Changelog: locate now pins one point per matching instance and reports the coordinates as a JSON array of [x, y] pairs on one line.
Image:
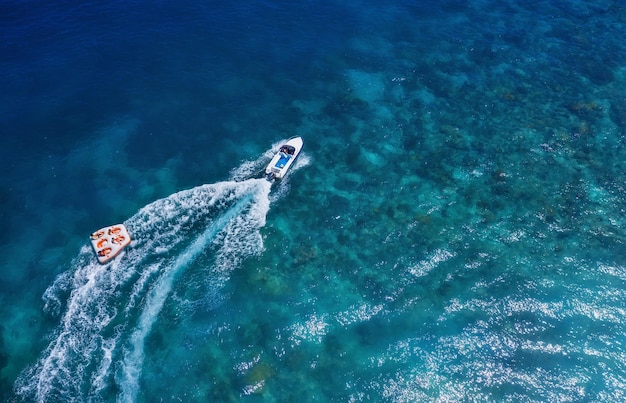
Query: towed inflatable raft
[[109, 241]]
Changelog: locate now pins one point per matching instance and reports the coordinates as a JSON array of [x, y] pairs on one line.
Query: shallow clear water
[[453, 231]]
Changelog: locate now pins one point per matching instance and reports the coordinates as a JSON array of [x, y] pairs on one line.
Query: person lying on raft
[[97, 234], [105, 252], [119, 239]]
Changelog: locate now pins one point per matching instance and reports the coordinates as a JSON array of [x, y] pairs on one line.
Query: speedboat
[[284, 158]]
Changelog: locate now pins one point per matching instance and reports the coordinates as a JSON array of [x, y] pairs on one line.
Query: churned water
[[452, 231]]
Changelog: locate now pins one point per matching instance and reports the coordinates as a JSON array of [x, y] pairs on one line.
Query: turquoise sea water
[[453, 230]]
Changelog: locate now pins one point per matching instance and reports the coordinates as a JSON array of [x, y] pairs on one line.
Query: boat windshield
[[287, 149]]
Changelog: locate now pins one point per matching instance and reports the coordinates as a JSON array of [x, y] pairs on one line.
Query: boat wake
[[107, 311]]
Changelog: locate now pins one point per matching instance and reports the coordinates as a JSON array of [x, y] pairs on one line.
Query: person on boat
[[101, 243]]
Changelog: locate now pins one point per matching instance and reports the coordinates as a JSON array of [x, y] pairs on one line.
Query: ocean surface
[[453, 231]]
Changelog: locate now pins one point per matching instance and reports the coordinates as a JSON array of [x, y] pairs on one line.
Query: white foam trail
[[100, 377], [255, 168], [103, 303], [128, 377]]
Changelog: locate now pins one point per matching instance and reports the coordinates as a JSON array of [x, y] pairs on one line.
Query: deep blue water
[[453, 231]]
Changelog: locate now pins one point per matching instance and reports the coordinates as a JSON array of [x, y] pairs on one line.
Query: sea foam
[[111, 308]]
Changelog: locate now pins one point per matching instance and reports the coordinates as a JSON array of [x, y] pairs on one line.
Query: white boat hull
[[284, 158]]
